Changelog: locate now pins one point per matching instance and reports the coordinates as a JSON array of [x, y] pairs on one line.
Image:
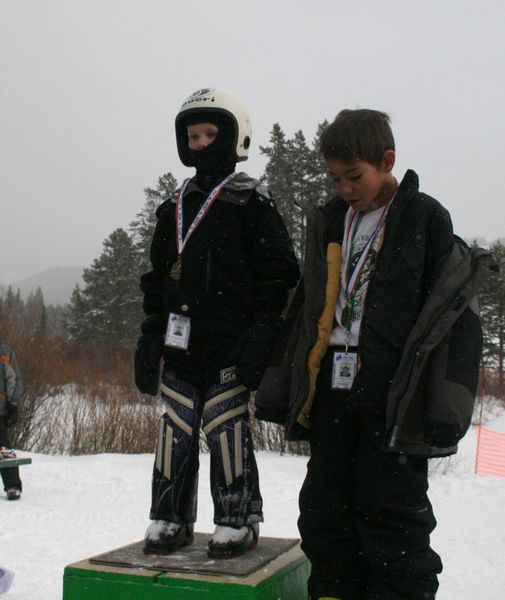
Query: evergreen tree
[[321, 184], [35, 312], [296, 174], [13, 304], [284, 183], [142, 228], [76, 321], [109, 305], [492, 301]]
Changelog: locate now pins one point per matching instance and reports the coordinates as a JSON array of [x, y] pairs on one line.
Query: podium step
[[275, 570]]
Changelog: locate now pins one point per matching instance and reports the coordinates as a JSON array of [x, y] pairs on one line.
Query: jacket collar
[[242, 182]]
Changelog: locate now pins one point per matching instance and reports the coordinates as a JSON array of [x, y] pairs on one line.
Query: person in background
[[222, 265], [11, 387]]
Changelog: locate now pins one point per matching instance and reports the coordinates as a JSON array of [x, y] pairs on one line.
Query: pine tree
[[35, 312], [142, 228], [76, 313], [109, 305], [281, 178], [13, 304], [321, 184], [296, 174], [492, 301]]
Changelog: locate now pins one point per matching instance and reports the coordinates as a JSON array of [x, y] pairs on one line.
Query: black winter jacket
[[236, 267], [417, 241]]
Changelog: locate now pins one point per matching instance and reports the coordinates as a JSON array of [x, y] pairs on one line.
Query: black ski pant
[[365, 518], [10, 476], [221, 410]]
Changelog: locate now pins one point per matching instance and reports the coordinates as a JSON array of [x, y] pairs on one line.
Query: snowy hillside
[[76, 507]]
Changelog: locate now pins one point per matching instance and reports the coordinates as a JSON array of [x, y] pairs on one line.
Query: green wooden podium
[[275, 570]]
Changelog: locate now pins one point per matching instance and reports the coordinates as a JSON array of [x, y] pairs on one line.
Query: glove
[[147, 362], [258, 348], [11, 416], [441, 435]]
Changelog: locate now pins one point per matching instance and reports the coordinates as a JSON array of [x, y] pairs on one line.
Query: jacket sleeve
[[452, 382], [274, 267], [163, 248], [273, 270]]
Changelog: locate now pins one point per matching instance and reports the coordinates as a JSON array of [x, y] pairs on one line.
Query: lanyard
[[353, 273], [204, 209]]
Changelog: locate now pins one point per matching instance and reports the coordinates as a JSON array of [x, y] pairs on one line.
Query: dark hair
[[361, 134]]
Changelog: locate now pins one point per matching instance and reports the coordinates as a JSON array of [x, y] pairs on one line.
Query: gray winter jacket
[[438, 339], [11, 385]]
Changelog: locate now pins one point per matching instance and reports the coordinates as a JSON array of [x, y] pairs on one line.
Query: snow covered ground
[[76, 507]]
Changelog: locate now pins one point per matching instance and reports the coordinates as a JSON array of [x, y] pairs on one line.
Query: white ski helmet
[[209, 102]]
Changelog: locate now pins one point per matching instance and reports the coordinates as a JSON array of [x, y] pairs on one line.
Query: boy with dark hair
[[379, 369], [222, 267]]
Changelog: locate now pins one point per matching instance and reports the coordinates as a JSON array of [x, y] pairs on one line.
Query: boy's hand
[[147, 362], [11, 416]]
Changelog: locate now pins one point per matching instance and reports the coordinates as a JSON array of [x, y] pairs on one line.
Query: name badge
[[178, 330], [344, 370]]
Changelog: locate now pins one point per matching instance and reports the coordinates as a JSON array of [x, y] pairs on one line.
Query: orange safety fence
[[490, 457]]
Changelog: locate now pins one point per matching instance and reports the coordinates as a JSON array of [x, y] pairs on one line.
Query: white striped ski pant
[[222, 412]]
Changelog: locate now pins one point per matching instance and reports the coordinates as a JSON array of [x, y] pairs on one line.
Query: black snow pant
[[10, 476], [365, 518], [221, 409]]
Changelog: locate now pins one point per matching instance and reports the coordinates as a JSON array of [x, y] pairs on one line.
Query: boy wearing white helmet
[[222, 267]]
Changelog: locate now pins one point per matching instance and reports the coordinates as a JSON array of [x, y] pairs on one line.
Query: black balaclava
[[217, 160]]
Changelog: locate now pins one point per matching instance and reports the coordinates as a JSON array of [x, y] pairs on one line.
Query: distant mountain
[[56, 284]]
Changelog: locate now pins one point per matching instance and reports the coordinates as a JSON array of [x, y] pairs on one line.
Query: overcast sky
[[89, 90]]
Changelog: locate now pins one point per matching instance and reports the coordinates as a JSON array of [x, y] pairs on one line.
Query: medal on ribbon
[[175, 270], [346, 316]]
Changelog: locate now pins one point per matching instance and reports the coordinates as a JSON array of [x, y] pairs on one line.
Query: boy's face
[[201, 135], [361, 184]]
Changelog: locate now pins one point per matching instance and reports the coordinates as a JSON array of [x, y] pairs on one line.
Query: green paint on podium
[[275, 570]]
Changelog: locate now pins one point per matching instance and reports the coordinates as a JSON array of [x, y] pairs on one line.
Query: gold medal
[[175, 271]]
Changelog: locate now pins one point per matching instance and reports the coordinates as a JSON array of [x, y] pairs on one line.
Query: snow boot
[[165, 537], [228, 542], [13, 494]]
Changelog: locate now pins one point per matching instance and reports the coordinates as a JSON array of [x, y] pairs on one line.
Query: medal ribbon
[[353, 274], [204, 209]]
